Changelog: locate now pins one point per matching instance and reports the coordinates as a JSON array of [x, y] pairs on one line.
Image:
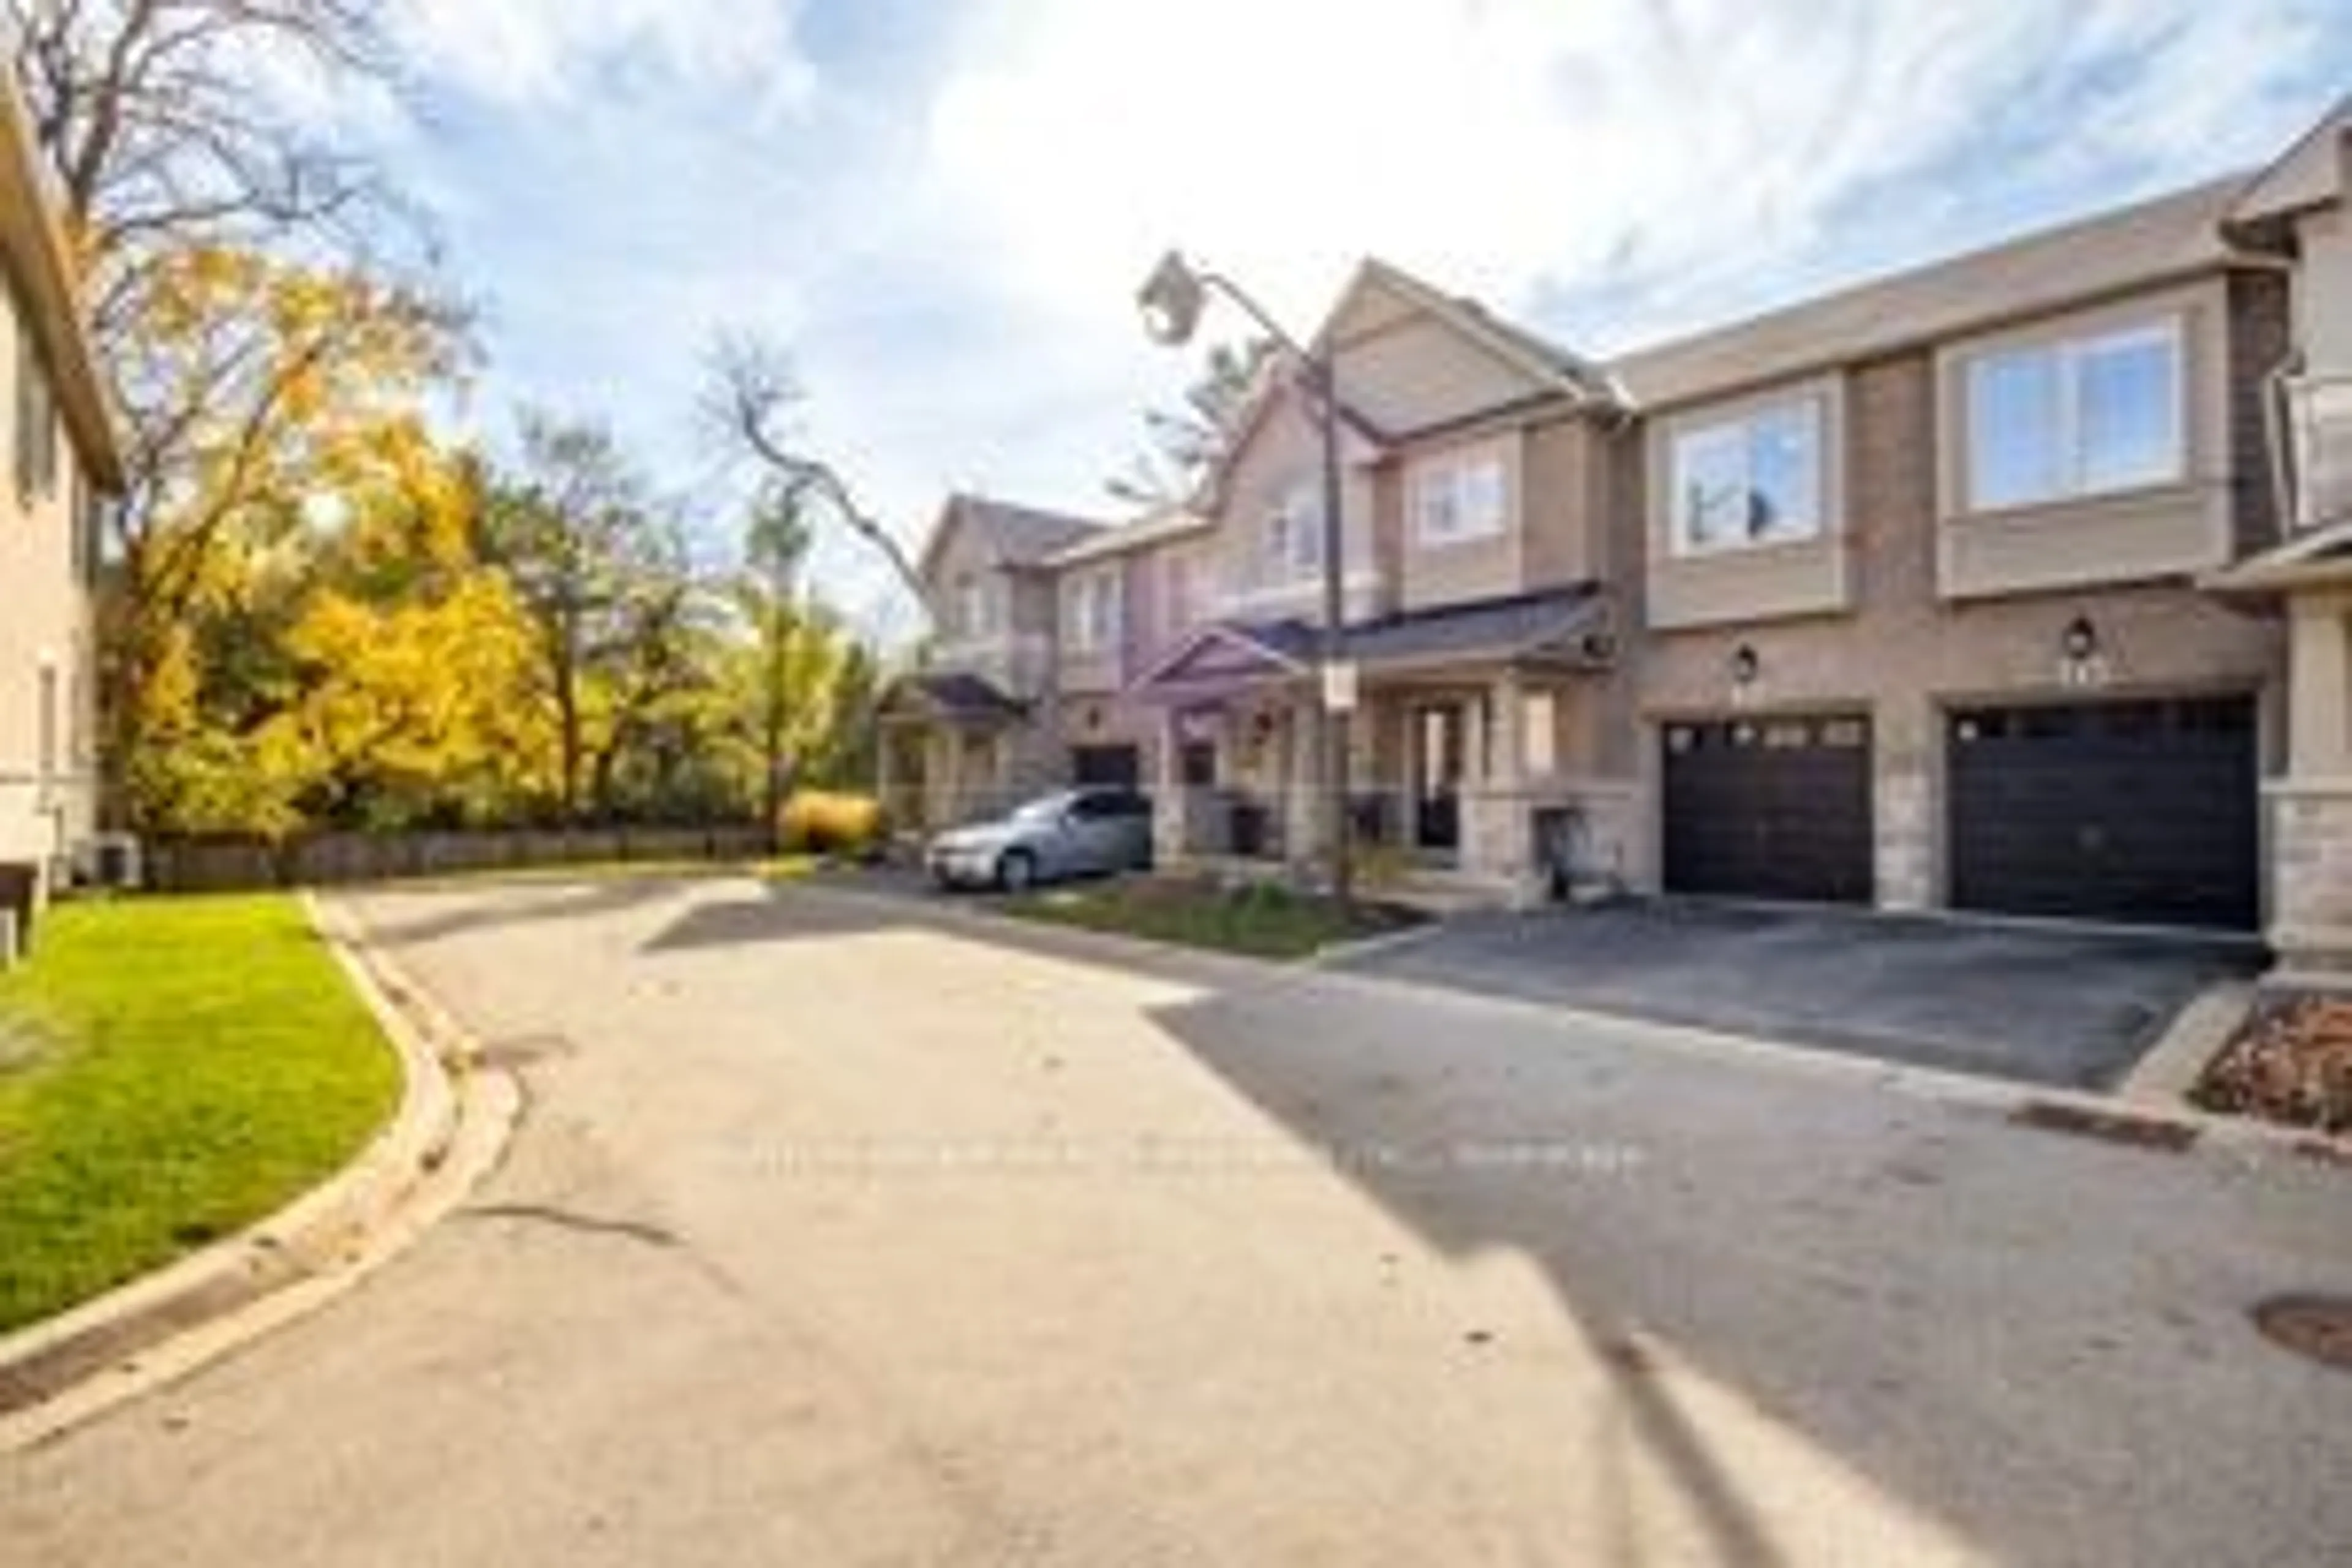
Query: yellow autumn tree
[[262, 398]]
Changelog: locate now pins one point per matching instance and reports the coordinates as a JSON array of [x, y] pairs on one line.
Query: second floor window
[[36, 418], [1293, 534], [973, 610], [2079, 417], [1755, 478], [1092, 605], [1457, 502]]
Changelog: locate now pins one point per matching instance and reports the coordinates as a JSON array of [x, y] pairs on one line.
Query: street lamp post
[[1174, 300]]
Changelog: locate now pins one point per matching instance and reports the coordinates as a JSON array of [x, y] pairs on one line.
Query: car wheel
[[1016, 871]]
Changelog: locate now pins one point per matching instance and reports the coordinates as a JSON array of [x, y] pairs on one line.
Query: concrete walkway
[[843, 1230]]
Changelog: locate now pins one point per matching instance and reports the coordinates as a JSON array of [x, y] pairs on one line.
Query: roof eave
[[37, 243]]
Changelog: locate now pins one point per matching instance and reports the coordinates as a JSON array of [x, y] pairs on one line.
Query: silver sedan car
[[1071, 833]]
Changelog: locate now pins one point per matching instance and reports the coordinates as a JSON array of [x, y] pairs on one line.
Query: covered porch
[[948, 750], [1476, 763]]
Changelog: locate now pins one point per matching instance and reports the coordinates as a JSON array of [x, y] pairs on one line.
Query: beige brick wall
[[1903, 654]]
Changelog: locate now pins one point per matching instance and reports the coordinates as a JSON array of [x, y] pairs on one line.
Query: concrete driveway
[[2039, 1004], [854, 1231]]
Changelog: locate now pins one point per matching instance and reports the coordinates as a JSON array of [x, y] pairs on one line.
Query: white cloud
[[1505, 145], [953, 226], [544, 51]]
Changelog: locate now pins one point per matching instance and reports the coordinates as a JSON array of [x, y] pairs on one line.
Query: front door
[[1439, 752]]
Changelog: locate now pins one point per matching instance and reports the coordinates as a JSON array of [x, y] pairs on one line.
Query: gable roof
[[1551, 368], [1224, 655], [2170, 238], [1011, 535], [1561, 370], [2311, 173], [40, 265], [1277, 387]]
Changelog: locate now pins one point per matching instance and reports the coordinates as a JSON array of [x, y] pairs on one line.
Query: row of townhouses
[[2018, 584], [58, 463]]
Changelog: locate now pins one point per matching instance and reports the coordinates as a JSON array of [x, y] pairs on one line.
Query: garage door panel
[[1774, 809], [2135, 811], [1107, 767]]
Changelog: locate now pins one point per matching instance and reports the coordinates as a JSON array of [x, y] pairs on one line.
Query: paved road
[[848, 1232], [2037, 1004]]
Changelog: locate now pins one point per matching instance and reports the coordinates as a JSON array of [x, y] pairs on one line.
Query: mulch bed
[[2291, 1062]]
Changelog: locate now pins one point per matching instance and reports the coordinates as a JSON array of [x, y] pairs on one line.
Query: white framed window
[[1293, 534], [1091, 604], [974, 608], [2079, 416], [36, 416], [1459, 501], [1751, 479], [1539, 733]]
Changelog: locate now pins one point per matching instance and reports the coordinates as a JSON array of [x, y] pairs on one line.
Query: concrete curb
[[449, 1129], [2170, 1068], [1994, 1096]]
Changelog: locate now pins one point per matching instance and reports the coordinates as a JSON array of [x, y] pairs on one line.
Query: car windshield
[[1046, 810]]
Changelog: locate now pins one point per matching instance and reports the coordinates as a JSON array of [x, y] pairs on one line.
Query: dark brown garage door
[[1770, 808], [2142, 812], [1111, 767]]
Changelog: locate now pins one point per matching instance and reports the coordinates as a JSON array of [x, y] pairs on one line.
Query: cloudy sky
[[944, 210]]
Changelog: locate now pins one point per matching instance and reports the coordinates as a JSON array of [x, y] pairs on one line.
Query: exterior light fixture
[[1173, 300], [1747, 667], [2081, 640]]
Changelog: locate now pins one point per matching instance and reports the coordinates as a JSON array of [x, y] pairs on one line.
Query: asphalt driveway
[[864, 1231], [2038, 1004]]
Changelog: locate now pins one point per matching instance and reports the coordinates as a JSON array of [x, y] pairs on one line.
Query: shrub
[[823, 822]]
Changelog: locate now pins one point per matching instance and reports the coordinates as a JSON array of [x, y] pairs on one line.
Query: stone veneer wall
[[2311, 859]]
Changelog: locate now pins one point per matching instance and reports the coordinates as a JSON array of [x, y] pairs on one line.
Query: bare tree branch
[[751, 394]]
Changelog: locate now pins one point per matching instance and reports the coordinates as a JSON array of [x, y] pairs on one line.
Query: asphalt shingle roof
[[1024, 535], [1489, 626], [958, 694]]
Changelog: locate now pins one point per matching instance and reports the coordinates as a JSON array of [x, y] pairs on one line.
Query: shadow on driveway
[[1984, 1322], [2069, 1008]]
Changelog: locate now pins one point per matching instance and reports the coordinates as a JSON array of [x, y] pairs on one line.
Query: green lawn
[[1264, 922], [171, 1070]]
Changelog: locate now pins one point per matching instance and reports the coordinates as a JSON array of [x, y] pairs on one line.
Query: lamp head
[[1171, 300]]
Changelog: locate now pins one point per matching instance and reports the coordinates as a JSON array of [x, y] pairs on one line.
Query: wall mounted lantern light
[[2081, 640]]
